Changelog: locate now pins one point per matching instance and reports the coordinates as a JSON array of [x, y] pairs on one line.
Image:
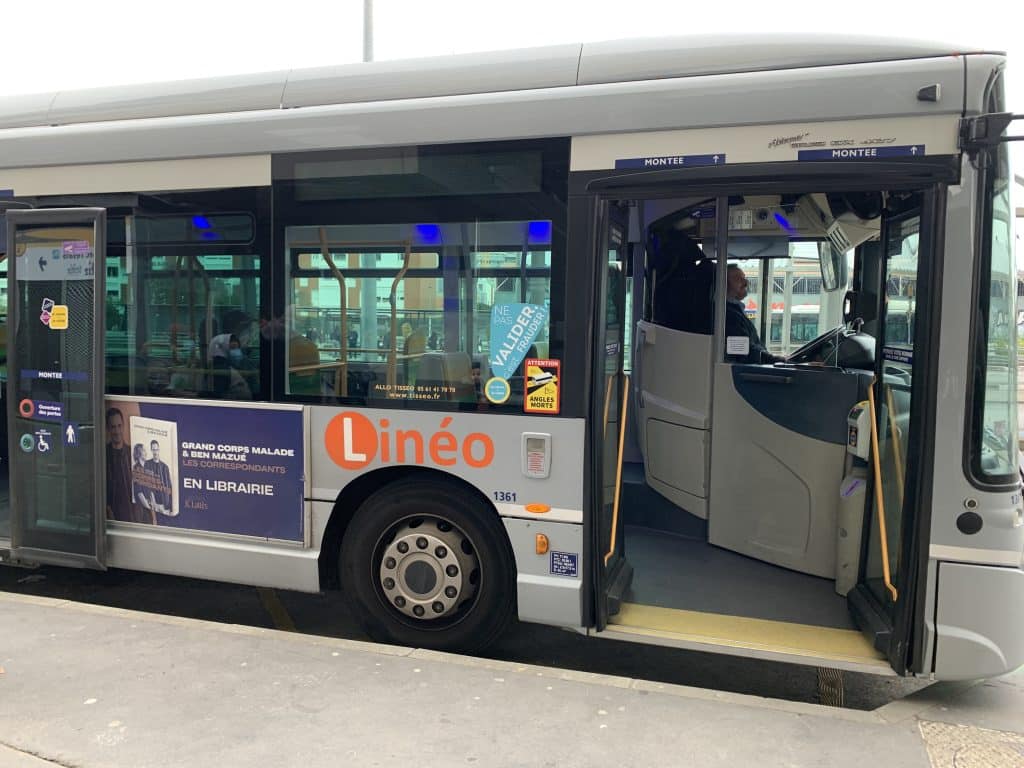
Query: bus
[[453, 336]]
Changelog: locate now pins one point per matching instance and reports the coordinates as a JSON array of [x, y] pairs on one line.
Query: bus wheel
[[428, 565]]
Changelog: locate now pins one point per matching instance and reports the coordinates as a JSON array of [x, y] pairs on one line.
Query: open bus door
[[903, 254], [611, 395], [55, 486], [886, 600]]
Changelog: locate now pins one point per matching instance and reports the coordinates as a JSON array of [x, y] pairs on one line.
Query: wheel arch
[[354, 494]]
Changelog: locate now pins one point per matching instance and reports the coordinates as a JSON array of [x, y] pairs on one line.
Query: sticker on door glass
[[59, 317]]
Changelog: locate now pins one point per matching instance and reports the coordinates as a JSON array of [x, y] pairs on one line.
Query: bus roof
[[524, 69]]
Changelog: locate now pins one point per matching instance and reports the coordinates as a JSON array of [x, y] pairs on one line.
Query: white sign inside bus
[[68, 260]]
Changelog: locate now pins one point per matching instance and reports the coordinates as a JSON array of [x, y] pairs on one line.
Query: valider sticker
[[564, 563]]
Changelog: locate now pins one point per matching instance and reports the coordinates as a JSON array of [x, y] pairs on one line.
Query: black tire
[[447, 516]]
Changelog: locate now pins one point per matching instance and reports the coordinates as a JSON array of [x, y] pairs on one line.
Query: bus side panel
[[197, 555], [490, 453], [487, 451], [549, 584], [975, 641]]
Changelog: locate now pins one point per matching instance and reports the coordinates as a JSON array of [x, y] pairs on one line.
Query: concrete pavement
[[88, 686]]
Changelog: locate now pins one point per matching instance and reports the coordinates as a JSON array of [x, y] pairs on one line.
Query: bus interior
[[746, 521]]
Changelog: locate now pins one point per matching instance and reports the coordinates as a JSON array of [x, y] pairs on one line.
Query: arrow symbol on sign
[[716, 159], [913, 150]]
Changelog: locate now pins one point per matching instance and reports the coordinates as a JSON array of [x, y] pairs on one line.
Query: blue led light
[[428, 234], [539, 232], [784, 223], [201, 222]]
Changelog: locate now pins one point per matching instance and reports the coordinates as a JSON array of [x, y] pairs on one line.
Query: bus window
[[410, 268], [994, 438], [403, 314], [183, 305]]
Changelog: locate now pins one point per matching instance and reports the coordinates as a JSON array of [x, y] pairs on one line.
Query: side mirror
[[833, 267]]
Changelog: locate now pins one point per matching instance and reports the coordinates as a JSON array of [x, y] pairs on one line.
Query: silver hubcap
[[428, 569]]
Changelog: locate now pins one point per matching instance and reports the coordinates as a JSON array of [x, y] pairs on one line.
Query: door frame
[[58, 217], [900, 633], [929, 175]]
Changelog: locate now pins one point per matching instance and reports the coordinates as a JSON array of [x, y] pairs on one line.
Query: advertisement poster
[[543, 382], [206, 468]]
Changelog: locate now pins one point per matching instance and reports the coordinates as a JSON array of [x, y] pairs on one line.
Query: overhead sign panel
[[671, 161], [861, 153]]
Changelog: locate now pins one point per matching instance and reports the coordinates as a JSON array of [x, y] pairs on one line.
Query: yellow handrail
[[879, 504], [618, 471]]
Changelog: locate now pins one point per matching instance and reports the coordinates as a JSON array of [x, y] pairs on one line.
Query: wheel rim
[[428, 571]]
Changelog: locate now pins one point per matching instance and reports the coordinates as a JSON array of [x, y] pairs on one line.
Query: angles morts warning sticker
[[543, 386]]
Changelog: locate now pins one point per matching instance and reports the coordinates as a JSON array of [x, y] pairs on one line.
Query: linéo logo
[[353, 441]]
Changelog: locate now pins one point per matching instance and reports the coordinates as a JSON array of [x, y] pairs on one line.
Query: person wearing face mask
[[226, 358], [238, 388]]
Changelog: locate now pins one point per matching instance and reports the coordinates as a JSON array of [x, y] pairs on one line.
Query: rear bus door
[[55, 385]]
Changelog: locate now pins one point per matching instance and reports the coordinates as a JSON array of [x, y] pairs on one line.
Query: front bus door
[[886, 600], [610, 389], [54, 394]]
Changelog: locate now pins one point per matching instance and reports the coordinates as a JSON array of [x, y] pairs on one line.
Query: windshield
[[994, 432]]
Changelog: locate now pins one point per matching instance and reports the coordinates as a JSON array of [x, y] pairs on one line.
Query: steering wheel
[[825, 347]]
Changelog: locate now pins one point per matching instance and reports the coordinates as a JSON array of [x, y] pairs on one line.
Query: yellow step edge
[[752, 634]]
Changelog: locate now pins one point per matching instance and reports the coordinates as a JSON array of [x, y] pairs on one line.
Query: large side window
[[994, 417], [422, 277], [183, 303], [414, 313]]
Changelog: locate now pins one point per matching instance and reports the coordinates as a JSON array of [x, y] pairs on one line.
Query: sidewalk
[[86, 686]]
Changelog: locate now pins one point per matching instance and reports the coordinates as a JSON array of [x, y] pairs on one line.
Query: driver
[[738, 324]]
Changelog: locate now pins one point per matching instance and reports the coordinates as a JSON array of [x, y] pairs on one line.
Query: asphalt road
[[328, 614]]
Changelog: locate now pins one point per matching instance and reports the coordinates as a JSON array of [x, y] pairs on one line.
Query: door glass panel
[[5, 512], [611, 350], [892, 401], [55, 504]]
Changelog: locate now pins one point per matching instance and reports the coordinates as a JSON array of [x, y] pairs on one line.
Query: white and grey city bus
[[274, 330]]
